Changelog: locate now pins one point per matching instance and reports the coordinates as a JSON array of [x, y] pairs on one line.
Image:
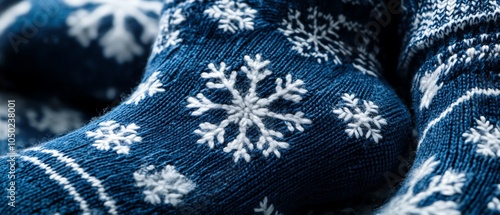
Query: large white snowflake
[[149, 88], [266, 209], [55, 121], [364, 119], [169, 31], [486, 136], [248, 109], [118, 42], [112, 133], [232, 15], [167, 186], [448, 184]]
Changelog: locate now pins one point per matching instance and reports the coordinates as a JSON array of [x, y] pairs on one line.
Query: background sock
[[35, 120], [451, 50], [76, 49]]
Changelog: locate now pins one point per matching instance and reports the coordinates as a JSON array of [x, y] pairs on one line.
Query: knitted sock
[[61, 47], [452, 47], [245, 107]]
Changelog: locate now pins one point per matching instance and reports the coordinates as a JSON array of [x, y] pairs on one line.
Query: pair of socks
[[245, 107], [267, 107]]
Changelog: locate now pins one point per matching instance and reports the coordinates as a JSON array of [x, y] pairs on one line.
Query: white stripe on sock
[[469, 95], [62, 181], [108, 201], [433, 35]]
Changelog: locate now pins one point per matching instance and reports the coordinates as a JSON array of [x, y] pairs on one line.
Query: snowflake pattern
[[486, 136], [248, 110], [167, 185], [266, 209], [169, 30], [361, 121], [56, 121], [150, 87], [318, 37], [448, 184], [232, 16], [111, 132], [118, 42], [315, 39]]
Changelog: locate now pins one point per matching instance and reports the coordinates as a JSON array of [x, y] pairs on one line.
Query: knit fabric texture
[[245, 107], [451, 52]]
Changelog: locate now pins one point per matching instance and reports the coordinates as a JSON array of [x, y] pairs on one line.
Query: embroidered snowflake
[[167, 186], [362, 118], [169, 31], [248, 109], [265, 209], [232, 16], [318, 37], [118, 42], [150, 87], [55, 121], [110, 132], [486, 136], [412, 202], [494, 204]]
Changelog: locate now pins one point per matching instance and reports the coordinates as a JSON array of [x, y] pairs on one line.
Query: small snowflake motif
[[110, 132], [169, 31], [232, 16], [417, 202], [362, 118], [166, 186], [486, 136], [118, 41], [248, 109], [149, 88], [316, 34], [265, 209], [318, 37]]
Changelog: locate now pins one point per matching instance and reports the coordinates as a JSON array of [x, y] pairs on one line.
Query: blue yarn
[[450, 51], [231, 118]]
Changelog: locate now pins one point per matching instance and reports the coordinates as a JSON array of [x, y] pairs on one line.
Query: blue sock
[[451, 50], [240, 111], [65, 46]]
